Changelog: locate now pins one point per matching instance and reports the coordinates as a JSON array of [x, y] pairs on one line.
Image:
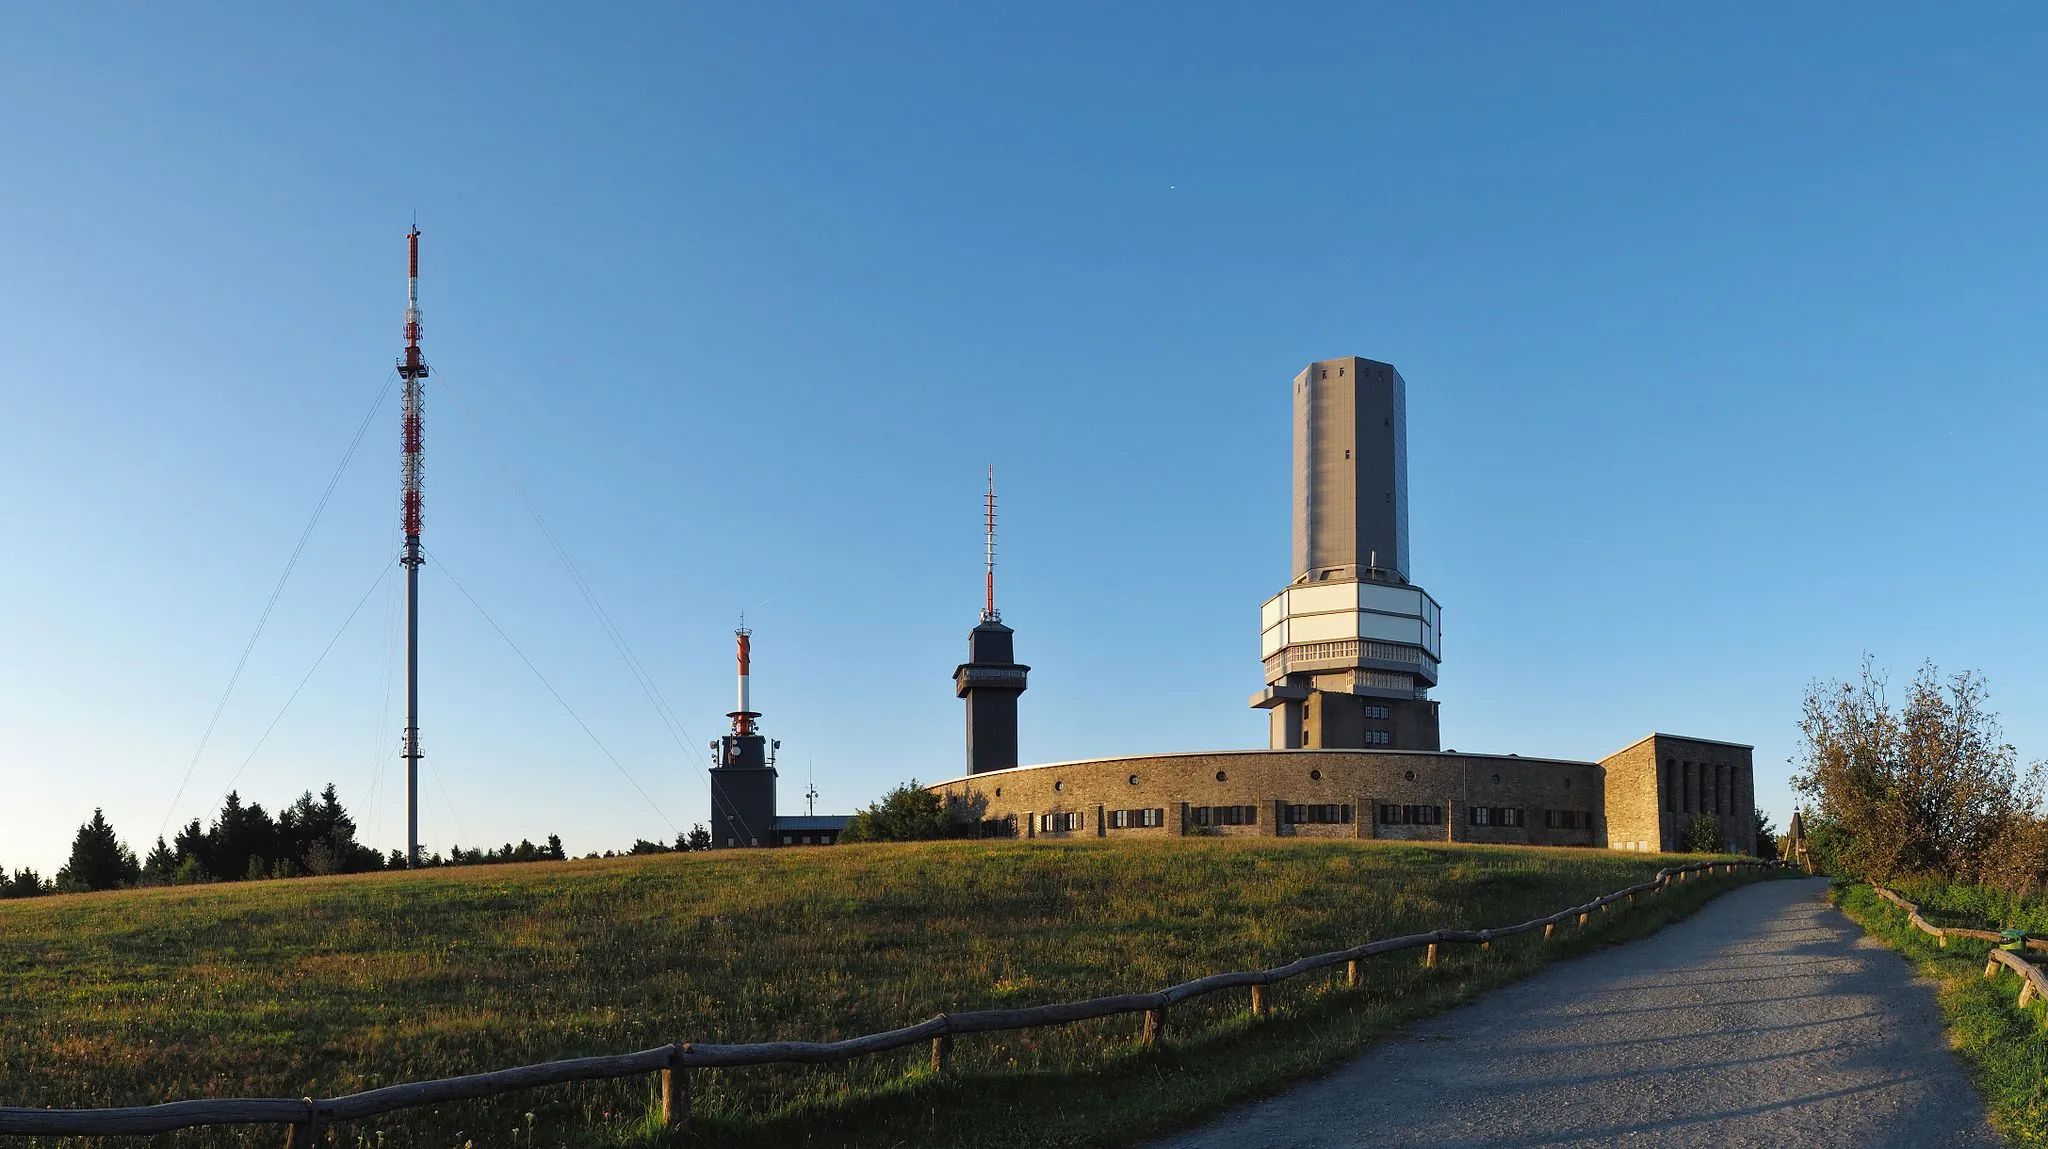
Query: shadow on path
[[1766, 1019]]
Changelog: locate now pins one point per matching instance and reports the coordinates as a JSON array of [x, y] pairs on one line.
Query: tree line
[[1928, 787], [312, 836]]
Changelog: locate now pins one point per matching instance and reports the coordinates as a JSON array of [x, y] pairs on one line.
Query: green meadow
[[2004, 1046], [325, 986]]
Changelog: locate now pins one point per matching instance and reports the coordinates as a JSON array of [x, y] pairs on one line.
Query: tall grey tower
[[1351, 646], [991, 678]]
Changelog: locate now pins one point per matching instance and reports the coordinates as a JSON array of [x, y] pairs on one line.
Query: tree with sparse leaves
[[1930, 787]]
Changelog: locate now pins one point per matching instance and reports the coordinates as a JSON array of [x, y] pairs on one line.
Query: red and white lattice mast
[[412, 369]]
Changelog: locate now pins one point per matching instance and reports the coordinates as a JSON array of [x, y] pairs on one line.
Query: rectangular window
[[1155, 816], [1422, 815], [1479, 815], [1074, 821], [1201, 815], [1390, 815], [1666, 778]]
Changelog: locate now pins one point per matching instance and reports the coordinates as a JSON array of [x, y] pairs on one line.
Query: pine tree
[[161, 867], [99, 861]]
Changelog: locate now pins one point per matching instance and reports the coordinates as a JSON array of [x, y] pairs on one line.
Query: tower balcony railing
[[1347, 652]]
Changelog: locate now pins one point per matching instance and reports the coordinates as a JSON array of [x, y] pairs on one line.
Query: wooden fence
[[308, 1118], [2034, 983]]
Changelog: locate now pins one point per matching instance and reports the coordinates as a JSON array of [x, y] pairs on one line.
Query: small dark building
[[810, 829], [743, 782]]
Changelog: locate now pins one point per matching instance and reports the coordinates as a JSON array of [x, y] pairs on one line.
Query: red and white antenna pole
[[743, 718], [988, 609], [412, 369]]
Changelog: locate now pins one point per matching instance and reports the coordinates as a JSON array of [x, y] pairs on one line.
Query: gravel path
[[1766, 1019]]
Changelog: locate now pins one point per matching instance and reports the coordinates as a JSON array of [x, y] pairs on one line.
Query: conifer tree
[[99, 860]]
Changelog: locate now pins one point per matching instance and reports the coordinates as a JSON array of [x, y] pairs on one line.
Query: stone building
[[1351, 649], [1407, 795]]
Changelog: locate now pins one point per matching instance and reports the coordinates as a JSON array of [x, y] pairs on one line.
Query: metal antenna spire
[[989, 613], [412, 369]]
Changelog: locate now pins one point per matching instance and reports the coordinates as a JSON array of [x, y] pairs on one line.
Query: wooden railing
[[2035, 982], [309, 1118]]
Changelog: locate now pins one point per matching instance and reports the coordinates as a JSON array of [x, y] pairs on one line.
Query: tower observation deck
[[1351, 647]]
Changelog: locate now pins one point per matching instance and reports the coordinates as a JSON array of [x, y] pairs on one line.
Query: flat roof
[[812, 821], [1267, 750], [1683, 738]]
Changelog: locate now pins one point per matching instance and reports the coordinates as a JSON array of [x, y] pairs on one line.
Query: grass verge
[[2004, 1046], [327, 986]]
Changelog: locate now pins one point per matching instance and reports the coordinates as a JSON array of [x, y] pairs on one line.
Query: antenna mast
[[988, 609], [412, 369]]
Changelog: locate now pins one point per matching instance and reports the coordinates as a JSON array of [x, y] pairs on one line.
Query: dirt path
[[1764, 1020]]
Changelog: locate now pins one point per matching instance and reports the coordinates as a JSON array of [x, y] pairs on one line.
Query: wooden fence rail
[[2035, 984], [308, 1118]]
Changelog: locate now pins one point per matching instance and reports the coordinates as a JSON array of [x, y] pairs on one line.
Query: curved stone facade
[[1653, 789], [1407, 795]]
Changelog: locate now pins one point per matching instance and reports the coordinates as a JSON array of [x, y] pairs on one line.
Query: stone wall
[[1657, 786], [1559, 802]]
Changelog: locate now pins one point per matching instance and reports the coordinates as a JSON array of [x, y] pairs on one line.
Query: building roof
[[812, 821], [1388, 751], [1683, 738]]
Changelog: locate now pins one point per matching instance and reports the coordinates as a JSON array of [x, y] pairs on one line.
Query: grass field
[[331, 985], [2004, 1046]]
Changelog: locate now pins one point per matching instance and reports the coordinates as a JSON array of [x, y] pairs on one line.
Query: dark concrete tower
[[991, 679], [1352, 646], [743, 773]]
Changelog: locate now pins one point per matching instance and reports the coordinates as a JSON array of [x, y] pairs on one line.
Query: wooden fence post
[[1155, 1027], [1260, 1005], [675, 1092], [308, 1133], [1429, 959], [1583, 919], [942, 1054], [1352, 974], [1991, 968], [1549, 928]]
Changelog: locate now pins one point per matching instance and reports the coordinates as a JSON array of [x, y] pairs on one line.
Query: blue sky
[[1720, 327]]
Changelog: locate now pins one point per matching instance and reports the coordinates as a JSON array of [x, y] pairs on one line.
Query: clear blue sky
[[1721, 325]]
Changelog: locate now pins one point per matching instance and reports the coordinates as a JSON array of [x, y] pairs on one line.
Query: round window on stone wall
[[1567, 783], [1133, 779], [1315, 775], [1059, 785], [1221, 777], [999, 791], [1410, 775], [1496, 779]]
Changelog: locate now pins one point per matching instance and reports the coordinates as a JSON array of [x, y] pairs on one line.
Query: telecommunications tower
[[743, 768], [412, 369], [991, 678]]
